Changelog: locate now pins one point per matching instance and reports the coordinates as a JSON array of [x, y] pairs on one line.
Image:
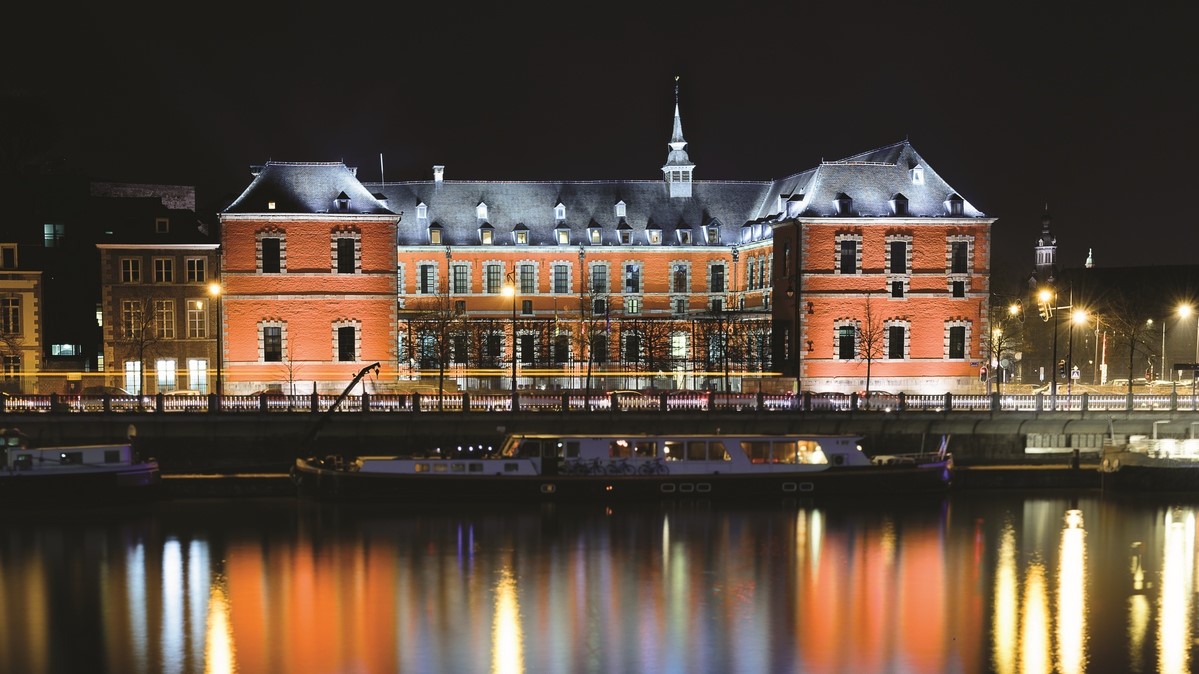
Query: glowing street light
[[510, 289]]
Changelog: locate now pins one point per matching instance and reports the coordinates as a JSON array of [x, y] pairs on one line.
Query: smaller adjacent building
[[158, 267], [20, 322]]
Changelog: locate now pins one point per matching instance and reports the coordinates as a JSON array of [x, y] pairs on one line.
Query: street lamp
[[510, 289], [215, 290], [1078, 317], [1048, 300]]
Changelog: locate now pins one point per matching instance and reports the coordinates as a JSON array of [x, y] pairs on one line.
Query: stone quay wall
[[202, 442]]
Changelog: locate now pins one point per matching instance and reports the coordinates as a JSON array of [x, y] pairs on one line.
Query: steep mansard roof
[[870, 179], [306, 187]]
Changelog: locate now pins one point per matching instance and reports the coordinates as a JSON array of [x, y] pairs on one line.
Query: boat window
[[24, 462], [646, 448], [440, 468], [476, 468], [572, 449], [511, 467], [672, 450], [70, 457], [458, 468], [697, 450], [717, 451], [112, 456], [758, 451], [420, 468], [530, 448], [555, 448], [618, 449], [786, 451]]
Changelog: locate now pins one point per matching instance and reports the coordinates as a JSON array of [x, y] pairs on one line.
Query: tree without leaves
[[871, 338], [435, 323]]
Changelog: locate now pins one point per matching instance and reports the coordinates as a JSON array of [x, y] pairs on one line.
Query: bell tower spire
[[678, 168]]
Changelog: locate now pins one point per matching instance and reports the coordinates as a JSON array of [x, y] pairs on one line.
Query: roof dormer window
[[435, 234], [162, 225], [899, 204], [593, 235], [486, 234], [793, 205], [562, 236], [422, 211], [270, 205], [624, 233], [653, 234], [560, 212], [843, 204], [481, 210], [620, 209], [684, 236], [342, 202], [713, 234], [520, 235], [954, 205], [917, 173]]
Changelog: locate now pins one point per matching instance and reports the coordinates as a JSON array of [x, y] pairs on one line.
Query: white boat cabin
[[19, 457]]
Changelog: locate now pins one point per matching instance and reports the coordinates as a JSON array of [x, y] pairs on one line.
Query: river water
[[1006, 582]]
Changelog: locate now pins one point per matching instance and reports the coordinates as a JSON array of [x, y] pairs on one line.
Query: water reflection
[[974, 583]]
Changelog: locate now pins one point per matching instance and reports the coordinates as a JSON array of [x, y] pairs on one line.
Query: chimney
[[438, 174]]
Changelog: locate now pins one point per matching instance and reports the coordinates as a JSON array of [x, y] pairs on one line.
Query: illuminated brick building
[[671, 283]]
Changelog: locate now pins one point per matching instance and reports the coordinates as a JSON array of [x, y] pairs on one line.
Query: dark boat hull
[[327, 484], [1153, 479], [131, 485]]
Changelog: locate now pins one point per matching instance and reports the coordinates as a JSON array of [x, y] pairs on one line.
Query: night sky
[[1093, 114]]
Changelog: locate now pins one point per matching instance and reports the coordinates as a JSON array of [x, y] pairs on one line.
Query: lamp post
[[1049, 299], [1078, 317], [215, 290], [510, 288]]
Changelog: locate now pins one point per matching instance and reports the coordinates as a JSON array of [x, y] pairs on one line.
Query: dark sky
[[1091, 113]]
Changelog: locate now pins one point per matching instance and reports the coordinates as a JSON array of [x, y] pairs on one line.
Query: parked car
[[104, 390], [182, 392]]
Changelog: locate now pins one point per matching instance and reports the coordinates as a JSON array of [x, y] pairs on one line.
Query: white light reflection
[[507, 647], [198, 588], [218, 639], [1138, 610], [1174, 638], [172, 607], [135, 593], [1007, 602], [1034, 627], [1071, 596]]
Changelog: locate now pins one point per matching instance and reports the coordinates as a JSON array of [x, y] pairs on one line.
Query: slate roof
[[306, 187], [871, 179]]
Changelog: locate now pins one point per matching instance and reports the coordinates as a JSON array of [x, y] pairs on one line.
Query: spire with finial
[[678, 167]]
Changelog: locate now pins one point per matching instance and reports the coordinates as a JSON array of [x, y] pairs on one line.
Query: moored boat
[[1157, 465], [615, 467], [74, 474]]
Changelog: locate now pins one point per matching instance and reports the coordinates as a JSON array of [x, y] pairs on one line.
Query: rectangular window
[[561, 348], [162, 225], [8, 256], [495, 274], [425, 279], [345, 343], [54, 234], [751, 274], [895, 342], [164, 270], [717, 306], [632, 348], [716, 283], [528, 279], [460, 280], [131, 270], [435, 236], [459, 306], [10, 315], [561, 279], [272, 255], [526, 307], [526, 348], [133, 377], [632, 278], [563, 237], [957, 342], [959, 288], [164, 374], [899, 257], [197, 319], [849, 257], [632, 305], [272, 344], [196, 269], [164, 319], [896, 288], [958, 257], [678, 279], [131, 319], [599, 279], [197, 374], [846, 348], [345, 255], [599, 308], [680, 305]]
